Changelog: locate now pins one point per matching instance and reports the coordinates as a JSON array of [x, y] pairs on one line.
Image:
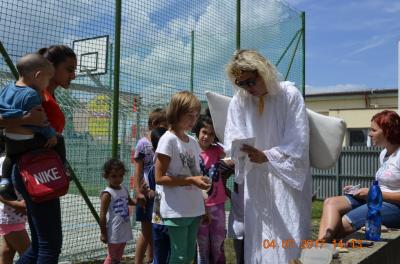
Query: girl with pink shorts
[[12, 228]]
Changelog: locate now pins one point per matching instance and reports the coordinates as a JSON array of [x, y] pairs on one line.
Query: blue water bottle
[[374, 218]]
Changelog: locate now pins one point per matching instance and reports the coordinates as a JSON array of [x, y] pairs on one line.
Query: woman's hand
[[36, 117], [361, 193], [347, 188], [255, 155], [201, 182], [51, 142]]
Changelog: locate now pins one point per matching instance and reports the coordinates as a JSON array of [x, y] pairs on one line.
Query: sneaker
[[7, 190]]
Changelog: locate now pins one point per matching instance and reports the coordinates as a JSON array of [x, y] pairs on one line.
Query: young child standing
[[12, 225], [35, 73], [115, 224], [144, 155], [177, 173], [211, 235], [161, 241]]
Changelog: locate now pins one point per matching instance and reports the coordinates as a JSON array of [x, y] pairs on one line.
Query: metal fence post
[[303, 23], [192, 62], [8, 60], [117, 57], [338, 175], [238, 24]]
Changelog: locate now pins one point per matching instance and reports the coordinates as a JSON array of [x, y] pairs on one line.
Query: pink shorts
[[6, 229]]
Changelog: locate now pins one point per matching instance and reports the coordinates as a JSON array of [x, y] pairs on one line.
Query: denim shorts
[[145, 214], [390, 213]]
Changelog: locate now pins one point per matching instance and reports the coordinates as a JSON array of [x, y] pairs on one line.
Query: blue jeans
[[45, 224], [161, 244], [390, 213]]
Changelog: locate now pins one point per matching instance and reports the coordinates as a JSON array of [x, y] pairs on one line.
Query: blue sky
[[351, 43]]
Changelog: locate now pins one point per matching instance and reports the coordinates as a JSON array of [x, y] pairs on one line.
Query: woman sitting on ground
[[342, 215]]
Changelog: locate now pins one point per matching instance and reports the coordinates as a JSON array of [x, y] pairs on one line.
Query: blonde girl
[[177, 173]]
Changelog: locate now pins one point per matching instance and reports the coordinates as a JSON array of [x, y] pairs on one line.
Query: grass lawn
[[315, 216], [317, 209]]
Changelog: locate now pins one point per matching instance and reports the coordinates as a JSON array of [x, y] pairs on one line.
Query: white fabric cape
[[277, 194]]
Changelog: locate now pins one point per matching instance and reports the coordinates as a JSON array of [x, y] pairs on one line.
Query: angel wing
[[326, 133]]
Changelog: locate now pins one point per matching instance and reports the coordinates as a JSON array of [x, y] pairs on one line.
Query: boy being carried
[[16, 100]]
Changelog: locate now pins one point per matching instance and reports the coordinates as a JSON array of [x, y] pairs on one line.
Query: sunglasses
[[246, 84]]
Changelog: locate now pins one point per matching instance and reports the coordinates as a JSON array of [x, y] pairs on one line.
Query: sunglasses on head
[[245, 84]]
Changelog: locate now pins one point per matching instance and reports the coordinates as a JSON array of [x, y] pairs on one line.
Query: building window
[[358, 137]]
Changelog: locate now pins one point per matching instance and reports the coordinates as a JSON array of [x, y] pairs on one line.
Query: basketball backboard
[[92, 55]]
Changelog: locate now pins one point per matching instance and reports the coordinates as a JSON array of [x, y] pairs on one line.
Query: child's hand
[[51, 142], [206, 219], [201, 182], [20, 207], [103, 238], [132, 201], [140, 200], [226, 168], [151, 194], [144, 188], [228, 192]]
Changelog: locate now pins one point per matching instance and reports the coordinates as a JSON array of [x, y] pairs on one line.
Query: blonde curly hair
[[252, 61]]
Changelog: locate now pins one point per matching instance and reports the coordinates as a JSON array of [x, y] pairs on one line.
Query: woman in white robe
[[276, 172]]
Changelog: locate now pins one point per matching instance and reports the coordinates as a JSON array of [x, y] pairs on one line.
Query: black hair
[[57, 54], [112, 164], [157, 117], [207, 112], [202, 121], [156, 134]]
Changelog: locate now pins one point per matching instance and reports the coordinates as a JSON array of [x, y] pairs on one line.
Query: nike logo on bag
[[47, 176]]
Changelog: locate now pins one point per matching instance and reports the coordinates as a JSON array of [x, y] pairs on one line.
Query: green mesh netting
[[158, 39]]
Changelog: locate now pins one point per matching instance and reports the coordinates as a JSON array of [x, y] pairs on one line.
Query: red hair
[[389, 122]]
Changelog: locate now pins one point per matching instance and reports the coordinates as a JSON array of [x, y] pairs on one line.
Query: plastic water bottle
[[374, 218]]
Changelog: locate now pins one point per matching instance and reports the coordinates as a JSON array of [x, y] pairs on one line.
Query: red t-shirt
[[53, 111]]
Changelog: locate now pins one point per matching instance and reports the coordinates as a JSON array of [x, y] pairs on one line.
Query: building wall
[[357, 118], [355, 109], [324, 103]]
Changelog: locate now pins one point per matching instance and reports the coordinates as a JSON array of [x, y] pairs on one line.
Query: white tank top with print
[[118, 221]]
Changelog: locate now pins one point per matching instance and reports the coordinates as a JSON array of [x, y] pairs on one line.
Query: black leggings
[[15, 148]]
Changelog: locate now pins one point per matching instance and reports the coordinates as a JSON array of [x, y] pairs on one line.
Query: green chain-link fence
[[165, 46]]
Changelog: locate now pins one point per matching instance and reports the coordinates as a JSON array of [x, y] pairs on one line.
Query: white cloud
[[392, 8], [347, 87], [372, 42], [155, 59], [168, 61]]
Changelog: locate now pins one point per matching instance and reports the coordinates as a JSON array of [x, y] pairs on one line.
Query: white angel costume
[[277, 193]]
